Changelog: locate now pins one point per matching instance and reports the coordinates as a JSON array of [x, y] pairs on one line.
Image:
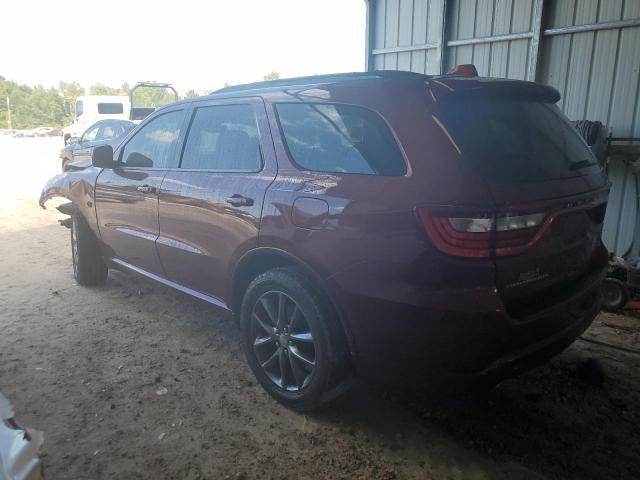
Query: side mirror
[[102, 157]]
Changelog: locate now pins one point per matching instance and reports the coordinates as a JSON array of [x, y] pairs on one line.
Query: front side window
[[223, 138], [340, 138], [154, 145], [91, 134]]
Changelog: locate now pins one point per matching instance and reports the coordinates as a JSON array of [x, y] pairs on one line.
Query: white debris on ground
[[18, 448]]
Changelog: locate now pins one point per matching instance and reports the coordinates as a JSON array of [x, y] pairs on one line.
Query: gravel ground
[[133, 380]]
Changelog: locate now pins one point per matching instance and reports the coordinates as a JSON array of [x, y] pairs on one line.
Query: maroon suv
[[392, 224]]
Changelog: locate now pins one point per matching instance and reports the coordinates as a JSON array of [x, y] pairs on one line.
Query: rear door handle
[[146, 189], [237, 200]]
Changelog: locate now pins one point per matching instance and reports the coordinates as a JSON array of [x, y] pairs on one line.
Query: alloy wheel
[[282, 341]]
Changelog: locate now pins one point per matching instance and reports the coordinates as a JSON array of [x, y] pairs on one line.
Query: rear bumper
[[396, 342]]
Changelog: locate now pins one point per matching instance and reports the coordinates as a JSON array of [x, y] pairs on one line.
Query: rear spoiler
[[455, 88]]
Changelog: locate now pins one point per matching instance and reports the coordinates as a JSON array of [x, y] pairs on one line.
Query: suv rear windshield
[[340, 138], [516, 139]]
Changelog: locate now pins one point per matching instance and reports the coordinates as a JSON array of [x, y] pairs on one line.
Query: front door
[[127, 196], [210, 206]]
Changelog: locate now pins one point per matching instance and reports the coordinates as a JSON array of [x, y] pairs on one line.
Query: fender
[[317, 279], [79, 188]]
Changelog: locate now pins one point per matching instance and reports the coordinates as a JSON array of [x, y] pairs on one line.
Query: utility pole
[[8, 112]]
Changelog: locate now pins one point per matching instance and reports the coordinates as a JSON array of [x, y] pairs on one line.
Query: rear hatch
[[548, 191]]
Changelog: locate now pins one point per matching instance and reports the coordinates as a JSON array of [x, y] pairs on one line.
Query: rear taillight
[[480, 235]]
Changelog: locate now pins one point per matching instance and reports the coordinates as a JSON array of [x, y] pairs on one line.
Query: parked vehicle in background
[[91, 108], [24, 133], [77, 155], [48, 132], [402, 226]]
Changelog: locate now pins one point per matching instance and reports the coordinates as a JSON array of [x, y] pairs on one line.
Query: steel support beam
[[534, 44], [408, 48], [440, 52], [369, 39], [633, 22], [492, 39]]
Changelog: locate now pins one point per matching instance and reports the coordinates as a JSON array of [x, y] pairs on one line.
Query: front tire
[[292, 340], [88, 266]]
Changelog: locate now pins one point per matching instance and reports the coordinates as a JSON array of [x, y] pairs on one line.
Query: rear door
[[533, 163], [210, 207], [127, 196]]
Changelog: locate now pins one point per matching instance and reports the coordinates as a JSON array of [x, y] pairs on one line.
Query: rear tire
[[88, 266], [292, 340], [614, 295]]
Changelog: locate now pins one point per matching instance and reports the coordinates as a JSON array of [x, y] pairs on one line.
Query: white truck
[[89, 109]]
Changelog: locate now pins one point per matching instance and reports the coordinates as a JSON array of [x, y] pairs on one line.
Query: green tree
[[190, 94], [70, 90], [101, 89], [152, 97], [271, 76], [31, 107]]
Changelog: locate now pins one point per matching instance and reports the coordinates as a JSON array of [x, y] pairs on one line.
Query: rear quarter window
[[339, 139]]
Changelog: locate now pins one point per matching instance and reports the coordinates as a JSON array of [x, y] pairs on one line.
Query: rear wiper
[[581, 164]]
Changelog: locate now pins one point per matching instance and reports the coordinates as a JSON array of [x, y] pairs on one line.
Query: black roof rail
[[316, 79]]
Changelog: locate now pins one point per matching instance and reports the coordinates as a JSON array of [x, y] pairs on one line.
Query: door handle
[[237, 200], [146, 189]]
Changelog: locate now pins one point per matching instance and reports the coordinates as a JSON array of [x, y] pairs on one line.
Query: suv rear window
[[516, 139], [340, 139]]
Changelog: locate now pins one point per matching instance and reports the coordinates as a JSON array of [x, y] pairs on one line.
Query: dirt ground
[[133, 380]]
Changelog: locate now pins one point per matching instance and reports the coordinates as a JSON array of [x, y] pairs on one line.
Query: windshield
[[516, 139]]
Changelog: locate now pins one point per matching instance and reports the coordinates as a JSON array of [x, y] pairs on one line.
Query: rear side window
[[153, 146], [516, 139], [110, 108], [340, 139], [223, 138]]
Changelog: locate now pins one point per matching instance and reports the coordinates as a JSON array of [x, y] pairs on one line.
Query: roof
[[316, 80]]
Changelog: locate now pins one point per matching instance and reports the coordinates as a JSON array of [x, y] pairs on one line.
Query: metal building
[[588, 49]]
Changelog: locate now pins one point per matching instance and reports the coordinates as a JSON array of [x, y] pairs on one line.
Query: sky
[[192, 44]]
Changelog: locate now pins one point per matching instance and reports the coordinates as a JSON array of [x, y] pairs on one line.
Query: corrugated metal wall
[[597, 71], [486, 18], [408, 35], [588, 49]]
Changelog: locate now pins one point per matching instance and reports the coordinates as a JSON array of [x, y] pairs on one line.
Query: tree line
[[23, 106], [31, 107]]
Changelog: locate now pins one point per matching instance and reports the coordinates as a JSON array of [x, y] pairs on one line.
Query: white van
[[91, 108]]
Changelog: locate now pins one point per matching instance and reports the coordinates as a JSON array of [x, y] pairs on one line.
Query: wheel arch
[[262, 259]]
